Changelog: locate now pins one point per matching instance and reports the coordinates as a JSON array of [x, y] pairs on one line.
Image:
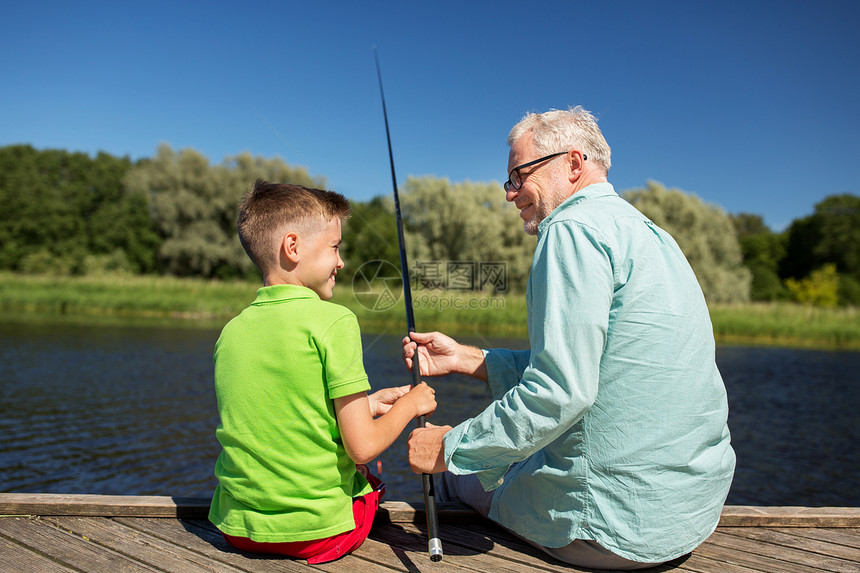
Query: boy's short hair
[[268, 208]]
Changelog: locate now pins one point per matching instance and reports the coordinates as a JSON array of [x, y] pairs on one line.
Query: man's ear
[[575, 164], [290, 246]]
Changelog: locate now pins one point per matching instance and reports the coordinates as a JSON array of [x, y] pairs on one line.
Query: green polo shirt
[[283, 474]]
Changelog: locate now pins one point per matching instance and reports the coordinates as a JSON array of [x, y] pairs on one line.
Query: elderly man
[[607, 444]]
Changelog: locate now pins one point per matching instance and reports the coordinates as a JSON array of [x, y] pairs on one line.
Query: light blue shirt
[[613, 426]]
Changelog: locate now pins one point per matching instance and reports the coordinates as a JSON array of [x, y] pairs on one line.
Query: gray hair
[[558, 130]]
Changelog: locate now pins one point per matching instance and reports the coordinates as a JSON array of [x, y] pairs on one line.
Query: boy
[[292, 390]]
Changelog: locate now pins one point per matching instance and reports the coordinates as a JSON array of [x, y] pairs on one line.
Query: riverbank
[[193, 302]]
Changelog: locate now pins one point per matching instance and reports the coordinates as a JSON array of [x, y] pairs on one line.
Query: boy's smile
[[320, 259]]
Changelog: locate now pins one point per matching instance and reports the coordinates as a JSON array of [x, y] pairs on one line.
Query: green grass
[[212, 303], [787, 324], [124, 296], [460, 313]]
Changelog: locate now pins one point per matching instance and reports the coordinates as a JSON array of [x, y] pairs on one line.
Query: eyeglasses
[[515, 180]]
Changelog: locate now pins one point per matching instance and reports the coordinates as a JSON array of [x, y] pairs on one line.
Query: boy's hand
[[422, 397], [380, 402]]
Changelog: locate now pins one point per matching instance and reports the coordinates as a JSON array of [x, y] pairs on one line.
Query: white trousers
[[580, 552]]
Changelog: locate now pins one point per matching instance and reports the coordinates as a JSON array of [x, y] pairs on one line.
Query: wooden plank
[[65, 548], [795, 541], [736, 557], [20, 559], [102, 505], [413, 512], [505, 540], [732, 515], [63, 544], [152, 551], [842, 536], [498, 542], [788, 555], [410, 537], [789, 538], [413, 542], [186, 508], [380, 553], [515, 549], [201, 537], [789, 516], [490, 528], [698, 563], [391, 511]]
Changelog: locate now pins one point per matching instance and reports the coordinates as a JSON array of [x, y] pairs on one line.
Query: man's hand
[[439, 355], [426, 452]]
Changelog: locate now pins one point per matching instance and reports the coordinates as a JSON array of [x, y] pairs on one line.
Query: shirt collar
[[592, 191], [280, 293]]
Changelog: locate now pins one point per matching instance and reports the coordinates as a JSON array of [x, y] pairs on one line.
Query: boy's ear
[[290, 246]]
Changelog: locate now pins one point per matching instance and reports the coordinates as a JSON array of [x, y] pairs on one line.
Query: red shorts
[[323, 550]]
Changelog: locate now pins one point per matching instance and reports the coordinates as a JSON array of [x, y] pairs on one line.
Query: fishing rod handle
[[434, 547], [434, 544]]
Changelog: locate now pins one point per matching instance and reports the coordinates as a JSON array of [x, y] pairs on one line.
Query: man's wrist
[[473, 363]]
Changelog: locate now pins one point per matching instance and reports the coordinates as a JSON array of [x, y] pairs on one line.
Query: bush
[[115, 263], [43, 262], [849, 290], [766, 285], [820, 288]]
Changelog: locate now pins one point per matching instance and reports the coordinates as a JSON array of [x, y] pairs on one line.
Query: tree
[[705, 235], [839, 220], [748, 224], [465, 222], [122, 234], [195, 205], [831, 235], [762, 250], [61, 209], [370, 235]]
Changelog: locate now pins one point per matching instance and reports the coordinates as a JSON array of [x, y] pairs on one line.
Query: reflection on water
[[131, 410], [106, 410], [795, 427]]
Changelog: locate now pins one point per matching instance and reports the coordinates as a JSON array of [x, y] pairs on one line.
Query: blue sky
[[750, 105]]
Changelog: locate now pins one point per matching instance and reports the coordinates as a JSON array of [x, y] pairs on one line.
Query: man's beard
[[542, 210]]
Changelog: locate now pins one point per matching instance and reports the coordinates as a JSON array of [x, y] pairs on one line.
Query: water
[[131, 410]]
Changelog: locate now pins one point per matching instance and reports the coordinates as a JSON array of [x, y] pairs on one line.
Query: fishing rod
[[434, 544]]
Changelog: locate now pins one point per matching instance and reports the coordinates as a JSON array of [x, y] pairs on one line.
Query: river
[[131, 410]]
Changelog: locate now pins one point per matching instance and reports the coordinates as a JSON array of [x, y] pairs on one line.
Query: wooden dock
[[93, 533]]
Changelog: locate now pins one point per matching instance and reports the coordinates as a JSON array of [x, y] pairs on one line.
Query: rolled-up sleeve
[[505, 369], [542, 393]]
